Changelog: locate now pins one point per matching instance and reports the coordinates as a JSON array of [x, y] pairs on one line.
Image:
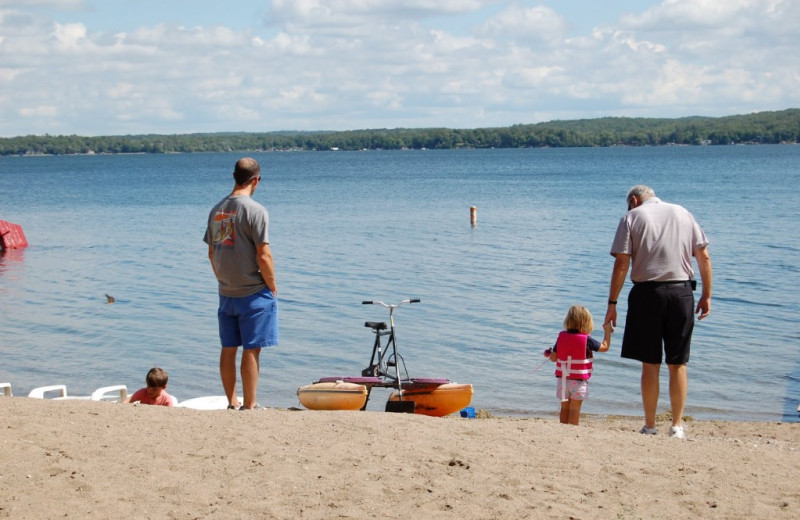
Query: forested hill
[[759, 128]]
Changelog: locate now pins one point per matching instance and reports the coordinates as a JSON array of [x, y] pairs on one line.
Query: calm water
[[392, 225]]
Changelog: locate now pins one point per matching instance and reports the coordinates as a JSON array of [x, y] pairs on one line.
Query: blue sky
[[111, 67]]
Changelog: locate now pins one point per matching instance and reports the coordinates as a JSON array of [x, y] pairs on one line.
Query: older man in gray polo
[[658, 240]]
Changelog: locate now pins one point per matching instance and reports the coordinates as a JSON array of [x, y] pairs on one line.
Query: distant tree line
[[759, 128]]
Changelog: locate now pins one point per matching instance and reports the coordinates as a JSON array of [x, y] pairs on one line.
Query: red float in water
[[12, 236]]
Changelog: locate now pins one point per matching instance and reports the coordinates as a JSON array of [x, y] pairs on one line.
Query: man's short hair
[[246, 170]]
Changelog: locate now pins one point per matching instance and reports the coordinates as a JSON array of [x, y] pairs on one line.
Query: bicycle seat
[[377, 325]]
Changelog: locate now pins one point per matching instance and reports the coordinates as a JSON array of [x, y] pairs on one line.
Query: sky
[[120, 67]]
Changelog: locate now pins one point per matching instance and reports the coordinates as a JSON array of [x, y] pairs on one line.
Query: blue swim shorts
[[251, 322]]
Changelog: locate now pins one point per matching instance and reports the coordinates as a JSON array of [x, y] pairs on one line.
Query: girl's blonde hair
[[579, 318]]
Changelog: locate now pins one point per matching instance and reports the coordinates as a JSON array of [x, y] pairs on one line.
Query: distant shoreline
[[295, 150], [780, 127]]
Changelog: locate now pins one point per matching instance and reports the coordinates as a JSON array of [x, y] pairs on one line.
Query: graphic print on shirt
[[224, 233]]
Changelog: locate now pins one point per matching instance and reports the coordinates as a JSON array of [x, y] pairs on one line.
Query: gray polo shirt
[[661, 239], [236, 225]]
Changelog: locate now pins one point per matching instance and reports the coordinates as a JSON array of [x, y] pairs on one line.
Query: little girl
[[573, 356]]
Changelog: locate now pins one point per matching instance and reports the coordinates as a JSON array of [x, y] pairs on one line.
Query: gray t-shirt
[[661, 238], [236, 225]]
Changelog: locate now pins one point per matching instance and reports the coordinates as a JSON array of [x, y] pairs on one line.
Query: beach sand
[[83, 459]]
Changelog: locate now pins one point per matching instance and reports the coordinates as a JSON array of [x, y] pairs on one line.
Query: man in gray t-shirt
[[237, 224], [658, 240], [237, 235]]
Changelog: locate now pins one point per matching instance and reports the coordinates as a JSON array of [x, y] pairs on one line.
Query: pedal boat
[[333, 395], [433, 397]]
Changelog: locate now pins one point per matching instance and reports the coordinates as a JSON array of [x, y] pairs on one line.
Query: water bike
[[386, 369]]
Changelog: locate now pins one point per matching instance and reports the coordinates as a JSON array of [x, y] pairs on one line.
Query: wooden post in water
[[473, 216]]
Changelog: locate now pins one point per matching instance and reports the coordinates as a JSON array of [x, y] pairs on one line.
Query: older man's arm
[[621, 263], [706, 275]]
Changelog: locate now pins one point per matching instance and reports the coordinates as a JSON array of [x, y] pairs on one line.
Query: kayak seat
[[361, 380], [425, 381], [376, 325]]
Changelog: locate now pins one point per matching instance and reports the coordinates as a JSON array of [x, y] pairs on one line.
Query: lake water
[[390, 225]]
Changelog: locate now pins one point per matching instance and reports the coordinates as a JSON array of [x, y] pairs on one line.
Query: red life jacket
[[572, 360]]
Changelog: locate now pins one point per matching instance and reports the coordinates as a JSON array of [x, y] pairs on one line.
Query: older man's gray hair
[[641, 192]]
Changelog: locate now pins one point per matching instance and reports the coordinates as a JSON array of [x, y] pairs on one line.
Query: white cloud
[[39, 111], [527, 24], [238, 113], [331, 13], [683, 15], [346, 64], [70, 36], [7, 74], [57, 4]]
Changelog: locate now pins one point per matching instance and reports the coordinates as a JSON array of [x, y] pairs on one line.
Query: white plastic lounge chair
[[121, 392], [6, 389], [39, 393]]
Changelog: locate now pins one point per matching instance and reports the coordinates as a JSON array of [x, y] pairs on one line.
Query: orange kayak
[[333, 395], [436, 400]]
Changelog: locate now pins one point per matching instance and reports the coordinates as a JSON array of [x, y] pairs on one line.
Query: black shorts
[[660, 316]]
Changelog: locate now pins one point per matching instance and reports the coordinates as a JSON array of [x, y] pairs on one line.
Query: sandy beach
[[84, 459]]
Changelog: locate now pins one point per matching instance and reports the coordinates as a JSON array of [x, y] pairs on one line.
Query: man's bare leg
[[650, 390], [250, 368], [678, 388], [227, 372]]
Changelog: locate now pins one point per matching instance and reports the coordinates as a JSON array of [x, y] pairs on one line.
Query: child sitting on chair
[[156, 391], [573, 356]]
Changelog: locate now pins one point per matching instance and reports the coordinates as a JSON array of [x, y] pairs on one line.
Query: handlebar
[[390, 306]]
